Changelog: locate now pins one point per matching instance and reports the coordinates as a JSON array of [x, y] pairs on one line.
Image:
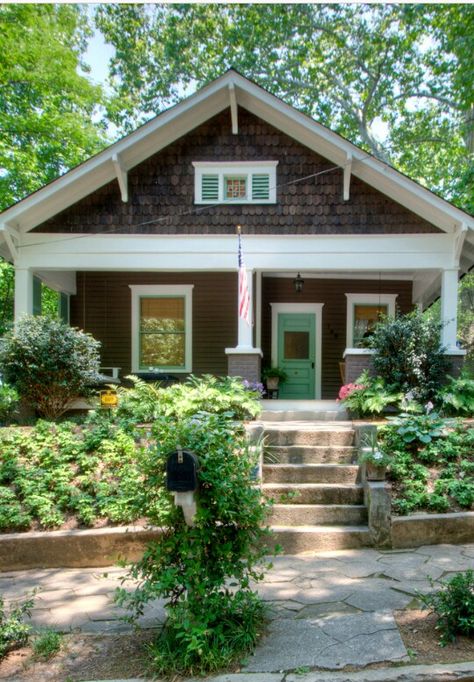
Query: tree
[[348, 65], [47, 107]]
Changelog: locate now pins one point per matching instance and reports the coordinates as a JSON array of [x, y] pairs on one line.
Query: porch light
[[299, 283]]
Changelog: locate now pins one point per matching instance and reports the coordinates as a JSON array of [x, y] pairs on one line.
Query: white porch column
[[449, 308], [245, 331], [23, 292]]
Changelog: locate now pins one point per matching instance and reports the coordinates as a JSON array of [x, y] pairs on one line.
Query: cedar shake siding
[[162, 189], [331, 292], [102, 307]]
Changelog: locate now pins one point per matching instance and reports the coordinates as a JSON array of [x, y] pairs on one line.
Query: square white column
[[23, 292], [449, 308]]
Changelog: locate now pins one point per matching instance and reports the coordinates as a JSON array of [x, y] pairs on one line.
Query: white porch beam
[[449, 306], [347, 177], [233, 109], [12, 239], [121, 174], [269, 254], [23, 292]]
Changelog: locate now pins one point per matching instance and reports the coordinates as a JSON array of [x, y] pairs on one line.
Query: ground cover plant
[[203, 571], [49, 363], [432, 467], [90, 473]]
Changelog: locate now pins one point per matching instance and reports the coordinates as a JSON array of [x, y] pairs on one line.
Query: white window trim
[[236, 169], [317, 310], [365, 299], [158, 290]]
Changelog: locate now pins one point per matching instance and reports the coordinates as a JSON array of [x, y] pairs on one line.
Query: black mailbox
[[181, 471]]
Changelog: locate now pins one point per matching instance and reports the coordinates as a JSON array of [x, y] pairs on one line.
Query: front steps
[[294, 410], [310, 474]]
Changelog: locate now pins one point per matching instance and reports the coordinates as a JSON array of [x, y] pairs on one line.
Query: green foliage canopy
[[47, 106]]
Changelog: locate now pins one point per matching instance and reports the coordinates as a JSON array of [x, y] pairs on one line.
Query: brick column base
[[245, 364], [356, 362], [456, 362]]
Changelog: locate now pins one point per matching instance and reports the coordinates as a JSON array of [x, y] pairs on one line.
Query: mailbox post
[[181, 479]]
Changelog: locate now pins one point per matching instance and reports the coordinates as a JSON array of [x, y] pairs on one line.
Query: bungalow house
[[140, 240]]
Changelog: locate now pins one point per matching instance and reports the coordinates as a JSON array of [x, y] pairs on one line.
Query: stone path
[[329, 610]]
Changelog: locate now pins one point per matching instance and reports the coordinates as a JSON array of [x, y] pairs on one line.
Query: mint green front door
[[297, 354]]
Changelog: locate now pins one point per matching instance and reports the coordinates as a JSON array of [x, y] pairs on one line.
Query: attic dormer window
[[238, 182]]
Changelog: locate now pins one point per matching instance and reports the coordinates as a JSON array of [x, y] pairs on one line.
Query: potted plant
[[376, 461], [272, 377]]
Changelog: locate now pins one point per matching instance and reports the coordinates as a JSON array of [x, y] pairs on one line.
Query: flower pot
[[375, 472], [272, 383]]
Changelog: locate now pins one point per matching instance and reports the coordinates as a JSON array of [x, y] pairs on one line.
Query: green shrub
[[217, 395], [9, 400], [454, 605], [370, 396], [14, 632], [49, 363], [456, 398], [408, 355], [203, 571], [47, 644]]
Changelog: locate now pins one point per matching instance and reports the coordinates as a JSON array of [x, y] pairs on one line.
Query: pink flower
[[347, 389]]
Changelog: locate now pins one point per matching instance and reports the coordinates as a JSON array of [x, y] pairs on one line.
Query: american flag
[[244, 298]]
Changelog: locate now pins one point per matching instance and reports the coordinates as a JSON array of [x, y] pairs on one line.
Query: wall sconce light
[[299, 283]]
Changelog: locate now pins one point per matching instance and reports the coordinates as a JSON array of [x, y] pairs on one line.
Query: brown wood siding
[[331, 292], [161, 192], [103, 307]]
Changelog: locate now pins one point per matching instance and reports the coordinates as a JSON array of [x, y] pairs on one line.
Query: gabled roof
[[229, 90]]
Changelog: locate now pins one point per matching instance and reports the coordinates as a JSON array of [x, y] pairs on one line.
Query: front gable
[[161, 192]]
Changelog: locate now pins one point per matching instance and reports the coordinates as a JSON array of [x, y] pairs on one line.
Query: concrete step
[[310, 473], [310, 454], [313, 493], [318, 514], [320, 538], [300, 433], [303, 410]]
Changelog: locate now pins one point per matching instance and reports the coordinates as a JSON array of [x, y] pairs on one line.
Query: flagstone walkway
[[329, 609]]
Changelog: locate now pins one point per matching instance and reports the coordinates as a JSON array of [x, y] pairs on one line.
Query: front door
[[296, 354]]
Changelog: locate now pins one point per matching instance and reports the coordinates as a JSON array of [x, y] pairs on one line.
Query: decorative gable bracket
[[121, 174], [12, 239], [347, 178], [233, 109]]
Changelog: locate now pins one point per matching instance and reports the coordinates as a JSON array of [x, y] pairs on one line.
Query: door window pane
[[296, 345], [365, 319], [162, 332]]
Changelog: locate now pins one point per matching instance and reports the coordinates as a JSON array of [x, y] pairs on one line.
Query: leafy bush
[[456, 398], [203, 571], [454, 605], [47, 644], [9, 400], [13, 631], [369, 396], [217, 395], [408, 354], [419, 429], [49, 363]]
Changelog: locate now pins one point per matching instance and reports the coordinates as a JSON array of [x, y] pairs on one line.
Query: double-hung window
[[161, 328], [363, 313], [238, 182]]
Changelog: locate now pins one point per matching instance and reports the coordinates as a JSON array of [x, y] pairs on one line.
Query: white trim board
[[317, 310], [185, 290]]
